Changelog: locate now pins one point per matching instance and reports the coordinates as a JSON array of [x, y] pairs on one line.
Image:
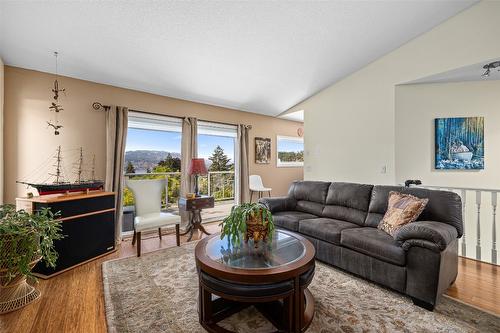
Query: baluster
[[478, 226], [209, 183], [494, 228], [166, 190], [464, 199]]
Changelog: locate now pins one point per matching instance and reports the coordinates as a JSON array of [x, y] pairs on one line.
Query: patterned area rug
[[158, 292]]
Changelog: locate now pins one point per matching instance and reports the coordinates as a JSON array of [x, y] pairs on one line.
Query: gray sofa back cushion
[[310, 196], [348, 202], [443, 206], [309, 191]]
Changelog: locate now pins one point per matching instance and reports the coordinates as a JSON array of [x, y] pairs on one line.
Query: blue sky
[[290, 145], [139, 139]]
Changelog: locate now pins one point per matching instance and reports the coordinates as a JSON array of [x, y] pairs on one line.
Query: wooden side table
[[195, 205]]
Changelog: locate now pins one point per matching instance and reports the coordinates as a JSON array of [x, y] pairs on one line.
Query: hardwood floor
[[74, 302], [477, 284]]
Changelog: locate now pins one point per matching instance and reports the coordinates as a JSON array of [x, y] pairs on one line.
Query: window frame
[[280, 164]]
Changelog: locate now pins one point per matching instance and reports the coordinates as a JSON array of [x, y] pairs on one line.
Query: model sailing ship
[[61, 185]]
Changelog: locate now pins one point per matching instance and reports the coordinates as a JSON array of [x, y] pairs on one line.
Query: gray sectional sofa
[[341, 220]]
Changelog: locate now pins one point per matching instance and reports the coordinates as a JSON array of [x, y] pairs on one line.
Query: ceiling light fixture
[[489, 67]]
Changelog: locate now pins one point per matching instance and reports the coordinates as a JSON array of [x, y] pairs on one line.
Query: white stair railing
[[479, 215]]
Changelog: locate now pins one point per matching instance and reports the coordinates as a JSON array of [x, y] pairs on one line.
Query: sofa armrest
[[278, 204], [421, 243], [437, 233]]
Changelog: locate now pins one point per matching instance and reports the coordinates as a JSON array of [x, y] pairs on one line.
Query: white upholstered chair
[[148, 214], [256, 185]]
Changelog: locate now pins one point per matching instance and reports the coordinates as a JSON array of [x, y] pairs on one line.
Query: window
[[290, 151], [152, 151], [216, 144]]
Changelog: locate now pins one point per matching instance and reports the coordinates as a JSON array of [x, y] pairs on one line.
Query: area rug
[[158, 292]]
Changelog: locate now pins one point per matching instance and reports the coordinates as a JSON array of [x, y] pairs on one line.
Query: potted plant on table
[[250, 220], [25, 239]]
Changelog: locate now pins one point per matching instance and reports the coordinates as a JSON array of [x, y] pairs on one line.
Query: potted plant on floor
[[250, 220], [25, 239]]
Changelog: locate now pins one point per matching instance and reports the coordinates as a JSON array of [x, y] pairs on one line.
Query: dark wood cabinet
[[88, 226]]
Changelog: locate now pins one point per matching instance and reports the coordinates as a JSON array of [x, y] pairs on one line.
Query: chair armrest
[[278, 204], [438, 233]]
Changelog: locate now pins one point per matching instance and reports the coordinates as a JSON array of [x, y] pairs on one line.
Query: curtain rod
[[99, 106]]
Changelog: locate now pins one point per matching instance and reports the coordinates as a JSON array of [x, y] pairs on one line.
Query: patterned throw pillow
[[402, 209]]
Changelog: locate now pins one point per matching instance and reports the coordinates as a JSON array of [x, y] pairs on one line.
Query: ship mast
[[58, 166], [92, 174], [80, 166]]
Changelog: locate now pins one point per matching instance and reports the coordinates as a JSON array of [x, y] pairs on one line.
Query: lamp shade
[[197, 167]]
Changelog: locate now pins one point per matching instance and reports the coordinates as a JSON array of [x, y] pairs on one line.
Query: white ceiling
[[261, 56], [293, 115], [466, 73]]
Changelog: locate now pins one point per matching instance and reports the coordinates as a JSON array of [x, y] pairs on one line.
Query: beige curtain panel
[[242, 152], [116, 137], [189, 150]]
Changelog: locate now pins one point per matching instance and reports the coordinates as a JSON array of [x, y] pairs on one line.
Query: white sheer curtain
[[116, 137]]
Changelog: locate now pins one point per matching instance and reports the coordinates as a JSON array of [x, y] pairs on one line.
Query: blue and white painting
[[460, 143]]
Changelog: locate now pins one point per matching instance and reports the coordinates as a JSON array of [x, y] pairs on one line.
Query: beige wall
[[28, 142], [1, 127], [416, 108], [418, 105], [350, 126]]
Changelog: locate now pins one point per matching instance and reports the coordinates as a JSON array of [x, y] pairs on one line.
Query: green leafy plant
[[235, 225], [24, 238]]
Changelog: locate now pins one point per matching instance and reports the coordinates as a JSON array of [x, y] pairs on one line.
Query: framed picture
[[459, 143], [262, 150], [289, 151]]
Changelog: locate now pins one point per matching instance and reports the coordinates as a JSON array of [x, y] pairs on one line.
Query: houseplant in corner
[[250, 220], [25, 239]]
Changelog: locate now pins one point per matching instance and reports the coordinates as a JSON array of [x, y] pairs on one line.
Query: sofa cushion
[[310, 207], [348, 202], [309, 195], [401, 210], [375, 243], [325, 229], [443, 206], [290, 219], [309, 191]]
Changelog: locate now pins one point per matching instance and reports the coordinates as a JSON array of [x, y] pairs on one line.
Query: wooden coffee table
[[273, 277]]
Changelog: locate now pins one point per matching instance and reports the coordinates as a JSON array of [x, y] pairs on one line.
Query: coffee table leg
[[288, 313], [207, 306], [308, 308], [200, 303], [297, 295]]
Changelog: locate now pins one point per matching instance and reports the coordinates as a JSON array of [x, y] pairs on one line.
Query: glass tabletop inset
[[284, 249]]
